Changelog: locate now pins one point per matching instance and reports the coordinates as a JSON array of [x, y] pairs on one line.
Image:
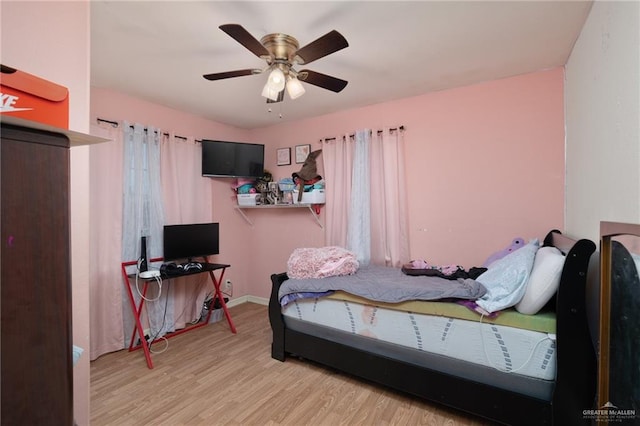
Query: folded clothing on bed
[[386, 284], [450, 272]]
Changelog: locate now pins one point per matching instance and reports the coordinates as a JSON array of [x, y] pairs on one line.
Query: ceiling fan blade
[[242, 36], [230, 74], [280, 98], [322, 80], [323, 46]]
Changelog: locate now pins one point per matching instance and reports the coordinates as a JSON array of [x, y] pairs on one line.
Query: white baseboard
[[244, 299]]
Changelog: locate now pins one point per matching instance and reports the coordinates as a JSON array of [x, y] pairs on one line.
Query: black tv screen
[[232, 159], [190, 241]]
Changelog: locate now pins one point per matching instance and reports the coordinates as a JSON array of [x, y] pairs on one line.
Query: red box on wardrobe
[[26, 96]]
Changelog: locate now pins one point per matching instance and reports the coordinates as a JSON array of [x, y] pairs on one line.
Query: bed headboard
[[557, 239]]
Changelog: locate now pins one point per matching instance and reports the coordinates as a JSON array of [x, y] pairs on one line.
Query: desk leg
[[137, 311], [220, 297]]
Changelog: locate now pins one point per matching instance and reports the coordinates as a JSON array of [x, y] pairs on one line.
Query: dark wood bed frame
[[576, 363]]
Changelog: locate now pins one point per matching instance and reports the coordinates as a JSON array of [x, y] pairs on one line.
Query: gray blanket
[[385, 284]]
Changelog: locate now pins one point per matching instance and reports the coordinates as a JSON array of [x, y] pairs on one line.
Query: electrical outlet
[[228, 287]]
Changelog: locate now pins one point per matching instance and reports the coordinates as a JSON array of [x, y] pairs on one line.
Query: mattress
[[508, 350]]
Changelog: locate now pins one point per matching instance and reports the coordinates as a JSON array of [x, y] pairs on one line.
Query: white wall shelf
[[310, 207]]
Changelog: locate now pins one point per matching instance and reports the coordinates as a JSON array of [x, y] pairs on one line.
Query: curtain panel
[[187, 198], [105, 239], [366, 210], [143, 214], [180, 195]]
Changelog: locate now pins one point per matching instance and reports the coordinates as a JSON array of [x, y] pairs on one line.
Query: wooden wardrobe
[[36, 336]]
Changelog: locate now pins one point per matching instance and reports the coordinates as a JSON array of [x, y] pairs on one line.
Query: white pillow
[[506, 278], [543, 282]]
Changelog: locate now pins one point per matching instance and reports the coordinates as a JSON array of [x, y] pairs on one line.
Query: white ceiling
[[158, 50]]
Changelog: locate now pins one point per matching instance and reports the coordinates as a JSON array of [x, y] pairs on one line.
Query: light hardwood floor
[[209, 376]]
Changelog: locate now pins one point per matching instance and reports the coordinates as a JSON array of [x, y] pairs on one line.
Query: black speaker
[[142, 263]]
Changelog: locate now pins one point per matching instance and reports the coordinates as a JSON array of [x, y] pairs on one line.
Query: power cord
[[157, 336], [486, 354], [160, 329], [164, 317], [158, 280]]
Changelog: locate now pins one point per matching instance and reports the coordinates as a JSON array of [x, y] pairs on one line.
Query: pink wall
[[34, 41], [234, 232], [485, 163]]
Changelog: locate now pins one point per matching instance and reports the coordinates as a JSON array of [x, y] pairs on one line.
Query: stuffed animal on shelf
[[262, 183]]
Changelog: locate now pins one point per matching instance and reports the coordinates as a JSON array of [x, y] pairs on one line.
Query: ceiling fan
[[282, 52]]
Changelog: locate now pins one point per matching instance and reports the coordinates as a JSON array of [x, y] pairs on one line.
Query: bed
[[541, 376]]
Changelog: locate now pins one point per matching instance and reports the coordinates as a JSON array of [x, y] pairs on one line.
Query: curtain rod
[[352, 135], [116, 124]]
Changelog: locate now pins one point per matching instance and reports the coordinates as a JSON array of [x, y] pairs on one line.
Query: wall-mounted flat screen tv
[[232, 159], [190, 241]]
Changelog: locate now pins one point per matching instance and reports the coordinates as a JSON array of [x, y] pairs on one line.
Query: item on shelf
[[244, 186], [262, 183], [246, 189], [273, 195], [249, 199], [287, 197], [286, 184], [315, 196], [308, 174], [309, 169]]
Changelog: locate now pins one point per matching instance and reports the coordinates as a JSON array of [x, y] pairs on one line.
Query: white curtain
[[359, 220], [143, 215], [366, 196]]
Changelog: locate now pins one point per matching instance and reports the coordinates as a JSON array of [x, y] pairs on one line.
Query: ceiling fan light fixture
[[281, 53], [276, 80], [269, 93], [294, 88]]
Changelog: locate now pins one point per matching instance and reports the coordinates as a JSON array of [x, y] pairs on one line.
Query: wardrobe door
[[36, 353]]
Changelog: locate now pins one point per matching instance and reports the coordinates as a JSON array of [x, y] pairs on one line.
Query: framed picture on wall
[[302, 151], [284, 156]]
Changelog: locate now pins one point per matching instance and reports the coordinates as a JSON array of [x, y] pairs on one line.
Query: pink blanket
[[321, 262]]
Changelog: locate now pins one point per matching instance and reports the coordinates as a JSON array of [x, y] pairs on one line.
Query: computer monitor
[[189, 241]]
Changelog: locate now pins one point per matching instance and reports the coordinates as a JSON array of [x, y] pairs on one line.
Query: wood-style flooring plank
[[210, 376]]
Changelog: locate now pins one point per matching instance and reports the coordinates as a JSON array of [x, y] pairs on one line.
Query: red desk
[[210, 268]]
